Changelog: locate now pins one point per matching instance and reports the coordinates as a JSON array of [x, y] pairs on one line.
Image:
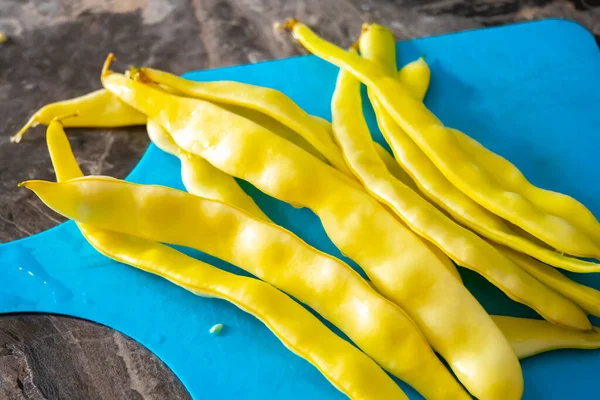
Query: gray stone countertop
[[54, 51]]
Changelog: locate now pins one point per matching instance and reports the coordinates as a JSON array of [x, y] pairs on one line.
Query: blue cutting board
[[529, 92]]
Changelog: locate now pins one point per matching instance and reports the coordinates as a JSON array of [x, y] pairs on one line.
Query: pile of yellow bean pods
[[443, 197]]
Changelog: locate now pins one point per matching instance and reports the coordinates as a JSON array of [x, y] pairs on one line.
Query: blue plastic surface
[[529, 92]]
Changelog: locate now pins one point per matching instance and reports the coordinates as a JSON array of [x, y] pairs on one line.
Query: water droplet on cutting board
[[85, 299], [25, 266]]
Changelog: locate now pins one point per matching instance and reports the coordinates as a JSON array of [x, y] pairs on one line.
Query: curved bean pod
[[440, 191], [461, 245], [99, 109], [267, 101], [529, 337], [399, 174], [381, 49], [554, 203], [385, 156], [415, 76], [201, 178], [440, 145], [585, 297], [346, 367], [394, 168], [286, 120], [398, 263]]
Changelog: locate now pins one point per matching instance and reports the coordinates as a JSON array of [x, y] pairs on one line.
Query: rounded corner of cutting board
[[571, 29]]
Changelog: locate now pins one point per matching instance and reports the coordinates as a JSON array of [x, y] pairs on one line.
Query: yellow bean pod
[[529, 337], [439, 190], [276, 127], [554, 203], [269, 252], [394, 168], [389, 161], [347, 368], [440, 145], [415, 76], [286, 120], [399, 174], [267, 101], [398, 263], [584, 296], [204, 180], [381, 50], [461, 245], [201, 178], [99, 109]]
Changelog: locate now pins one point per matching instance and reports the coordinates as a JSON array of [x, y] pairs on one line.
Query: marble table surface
[[54, 51]]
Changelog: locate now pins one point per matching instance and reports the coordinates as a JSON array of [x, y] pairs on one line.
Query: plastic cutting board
[[530, 92]]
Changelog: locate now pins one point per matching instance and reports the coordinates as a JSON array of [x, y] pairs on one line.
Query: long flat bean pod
[[461, 245], [268, 101], [201, 178], [100, 109], [385, 156], [529, 337], [399, 264], [346, 367], [440, 145], [399, 173], [258, 104], [554, 203], [586, 297]]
